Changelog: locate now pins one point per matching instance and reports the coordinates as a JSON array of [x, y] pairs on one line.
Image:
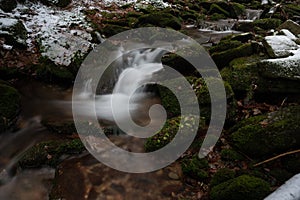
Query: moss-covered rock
[[50, 153], [269, 134], [9, 105], [230, 155], [168, 132], [222, 176], [159, 19], [171, 104], [224, 45], [195, 168], [214, 8], [243, 187], [291, 26], [242, 74], [267, 23], [223, 58]]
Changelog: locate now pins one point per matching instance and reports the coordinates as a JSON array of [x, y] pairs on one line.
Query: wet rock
[[269, 134], [258, 25], [159, 19], [9, 105], [243, 187], [291, 26], [13, 31], [8, 5], [50, 153]]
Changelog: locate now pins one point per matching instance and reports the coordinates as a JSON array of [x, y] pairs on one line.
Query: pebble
[[173, 175]]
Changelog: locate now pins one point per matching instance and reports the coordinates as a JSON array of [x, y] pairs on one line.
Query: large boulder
[[13, 31], [9, 105], [279, 46], [265, 135], [291, 26], [8, 5]]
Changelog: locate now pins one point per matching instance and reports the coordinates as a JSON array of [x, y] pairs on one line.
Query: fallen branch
[[276, 157]]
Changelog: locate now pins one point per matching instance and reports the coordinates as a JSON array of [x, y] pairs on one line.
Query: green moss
[[271, 134], [230, 155], [9, 105], [243, 187], [160, 19], [267, 23], [195, 168], [49, 153], [224, 45], [214, 8], [222, 176], [237, 9], [223, 58], [217, 16], [168, 132]]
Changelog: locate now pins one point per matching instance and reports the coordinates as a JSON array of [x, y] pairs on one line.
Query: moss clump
[[230, 155], [168, 132], [49, 153], [267, 23], [273, 133], [223, 58], [243, 187], [195, 168], [214, 8], [222, 176], [159, 19], [9, 105], [224, 45]]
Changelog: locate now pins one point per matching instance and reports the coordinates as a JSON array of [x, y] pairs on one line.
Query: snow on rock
[[287, 68], [13, 31], [279, 45], [288, 34], [289, 191]]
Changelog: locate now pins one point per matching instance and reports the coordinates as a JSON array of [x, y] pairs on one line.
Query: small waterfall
[[135, 70], [253, 14]]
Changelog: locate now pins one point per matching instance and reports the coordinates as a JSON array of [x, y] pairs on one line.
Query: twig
[[276, 157]]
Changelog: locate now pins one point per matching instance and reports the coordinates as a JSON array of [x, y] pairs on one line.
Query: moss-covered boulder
[[223, 58], [159, 19], [9, 105], [230, 155], [168, 132], [259, 25], [265, 135], [50, 153], [8, 5], [291, 26], [243, 187], [222, 176], [13, 31], [171, 104], [195, 168]]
